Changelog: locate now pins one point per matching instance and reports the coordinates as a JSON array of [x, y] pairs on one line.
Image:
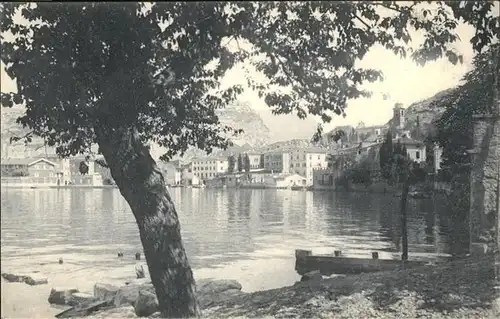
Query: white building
[[173, 172], [304, 161], [415, 149], [296, 161], [286, 181], [187, 176], [209, 167]]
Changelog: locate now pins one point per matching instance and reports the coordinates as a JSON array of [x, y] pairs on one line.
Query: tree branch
[[17, 138], [362, 21], [389, 7]]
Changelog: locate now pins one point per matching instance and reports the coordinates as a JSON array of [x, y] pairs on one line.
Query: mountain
[[241, 115], [295, 128], [10, 129]]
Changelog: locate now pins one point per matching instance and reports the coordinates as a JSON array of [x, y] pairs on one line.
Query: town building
[[187, 176], [172, 172], [35, 171], [398, 116], [277, 161], [90, 178], [209, 167], [286, 181], [256, 160], [370, 133], [324, 178], [415, 149], [303, 161], [296, 161]]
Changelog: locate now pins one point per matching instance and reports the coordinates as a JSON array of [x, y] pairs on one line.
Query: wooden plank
[[344, 265], [83, 310]]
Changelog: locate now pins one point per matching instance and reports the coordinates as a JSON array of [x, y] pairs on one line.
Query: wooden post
[[404, 226], [300, 253], [337, 253]]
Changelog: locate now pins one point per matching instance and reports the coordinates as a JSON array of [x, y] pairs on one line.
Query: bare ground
[[459, 289]]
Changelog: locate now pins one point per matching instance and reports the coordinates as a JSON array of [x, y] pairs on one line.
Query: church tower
[[398, 116]]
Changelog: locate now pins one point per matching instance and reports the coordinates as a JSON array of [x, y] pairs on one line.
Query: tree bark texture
[[485, 174], [142, 185]]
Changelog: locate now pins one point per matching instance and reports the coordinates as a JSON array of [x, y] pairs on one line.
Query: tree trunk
[[142, 184]]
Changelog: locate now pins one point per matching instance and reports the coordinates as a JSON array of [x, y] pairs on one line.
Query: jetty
[[327, 265]]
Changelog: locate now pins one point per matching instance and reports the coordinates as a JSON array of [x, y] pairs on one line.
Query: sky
[[405, 82]]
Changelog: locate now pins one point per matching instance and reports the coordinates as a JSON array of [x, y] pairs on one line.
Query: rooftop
[[210, 158], [24, 161]]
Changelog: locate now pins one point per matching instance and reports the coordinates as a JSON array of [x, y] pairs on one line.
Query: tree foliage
[[240, 163], [83, 168], [393, 160], [360, 173], [91, 65], [455, 126], [386, 156], [246, 163], [230, 164]]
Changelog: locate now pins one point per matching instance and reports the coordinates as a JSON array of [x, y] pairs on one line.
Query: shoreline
[[456, 289], [41, 186]]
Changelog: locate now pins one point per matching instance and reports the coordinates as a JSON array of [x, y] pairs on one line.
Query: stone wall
[[485, 174]]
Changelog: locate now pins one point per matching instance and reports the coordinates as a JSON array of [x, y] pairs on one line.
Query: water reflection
[[220, 226]]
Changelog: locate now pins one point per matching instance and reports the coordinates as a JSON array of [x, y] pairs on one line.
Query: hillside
[[427, 111]]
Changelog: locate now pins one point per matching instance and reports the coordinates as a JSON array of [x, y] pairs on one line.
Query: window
[[417, 154]]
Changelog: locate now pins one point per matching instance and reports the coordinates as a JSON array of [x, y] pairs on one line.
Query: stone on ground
[[146, 303], [80, 298], [35, 280], [127, 295], [217, 286], [60, 296], [215, 291], [312, 275], [105, 291], [31, 279]]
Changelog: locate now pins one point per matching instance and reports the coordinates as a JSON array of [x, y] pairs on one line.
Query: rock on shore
[[136, 298], [32, 279]]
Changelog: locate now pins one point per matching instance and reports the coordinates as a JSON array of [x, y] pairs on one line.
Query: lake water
[[247, 235]]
